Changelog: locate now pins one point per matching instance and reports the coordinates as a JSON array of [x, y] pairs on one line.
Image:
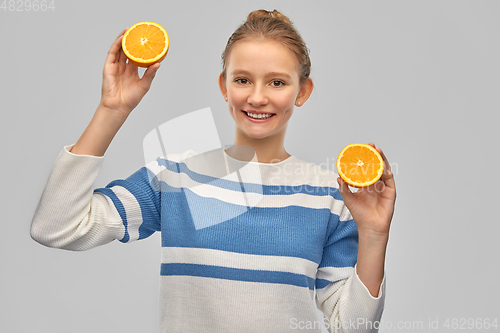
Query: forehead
[[262, 56]]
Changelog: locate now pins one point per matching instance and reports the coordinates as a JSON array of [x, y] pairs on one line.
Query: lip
[[257, 112]]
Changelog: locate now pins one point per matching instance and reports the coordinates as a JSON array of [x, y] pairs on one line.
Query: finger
[[122, 33], [150, 73], [387, 165], [122, 58], [114, 51], [131, 70], [387, 175], [148, 76], [388, 179], [344, 190]]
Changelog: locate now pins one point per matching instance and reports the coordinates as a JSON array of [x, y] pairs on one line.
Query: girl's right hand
[[122, 88]]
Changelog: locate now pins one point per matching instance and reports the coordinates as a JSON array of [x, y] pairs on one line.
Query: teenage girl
[[308, 237]]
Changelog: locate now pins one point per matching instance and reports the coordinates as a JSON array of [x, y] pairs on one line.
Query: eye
[[277, 83], [241, 80]]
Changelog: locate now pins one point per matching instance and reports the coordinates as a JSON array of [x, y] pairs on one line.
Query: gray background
[[418, 78]]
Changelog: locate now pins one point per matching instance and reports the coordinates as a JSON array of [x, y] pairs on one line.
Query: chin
[[257, 136]]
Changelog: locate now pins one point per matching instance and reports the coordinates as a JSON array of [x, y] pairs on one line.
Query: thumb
[[344, 190], [148, 76]]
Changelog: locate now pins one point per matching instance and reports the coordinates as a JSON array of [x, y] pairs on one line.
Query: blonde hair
[[274, 25]]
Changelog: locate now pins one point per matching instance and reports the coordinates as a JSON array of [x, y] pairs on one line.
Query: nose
[[257, 96]]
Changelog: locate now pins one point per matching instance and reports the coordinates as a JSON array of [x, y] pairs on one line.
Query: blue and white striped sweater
[[282, 223], [242, 251]]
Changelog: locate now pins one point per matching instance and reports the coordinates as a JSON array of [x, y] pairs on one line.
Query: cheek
[[236, 98], [286, 100]]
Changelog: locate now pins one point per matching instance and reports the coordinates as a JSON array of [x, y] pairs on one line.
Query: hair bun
[[262, 13]]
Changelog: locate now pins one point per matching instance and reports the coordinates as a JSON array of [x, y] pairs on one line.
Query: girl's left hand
[[372, 207]]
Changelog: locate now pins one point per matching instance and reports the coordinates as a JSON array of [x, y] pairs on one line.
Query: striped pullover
[[246, 246]]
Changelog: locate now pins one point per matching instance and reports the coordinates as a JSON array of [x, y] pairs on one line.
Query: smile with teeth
[[259, 115]]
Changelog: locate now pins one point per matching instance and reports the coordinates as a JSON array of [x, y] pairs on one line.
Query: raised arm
[[122, 90], [372, 209], [70, 215]]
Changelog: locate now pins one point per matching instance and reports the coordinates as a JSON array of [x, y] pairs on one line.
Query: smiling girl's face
[[262, 87]]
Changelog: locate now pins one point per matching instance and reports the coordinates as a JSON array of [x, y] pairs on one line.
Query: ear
[[304, 92], [222, 85]]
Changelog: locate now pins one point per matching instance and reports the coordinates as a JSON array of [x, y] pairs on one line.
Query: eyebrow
[[241, 71]]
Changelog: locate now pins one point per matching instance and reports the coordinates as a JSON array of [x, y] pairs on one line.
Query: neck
[[268, 150]]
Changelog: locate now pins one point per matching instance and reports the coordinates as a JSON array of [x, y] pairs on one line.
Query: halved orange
[[360, 165], [145, 43]]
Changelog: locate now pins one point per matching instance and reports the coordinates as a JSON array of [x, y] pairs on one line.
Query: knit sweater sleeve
[[72, 215], [345, 301]]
